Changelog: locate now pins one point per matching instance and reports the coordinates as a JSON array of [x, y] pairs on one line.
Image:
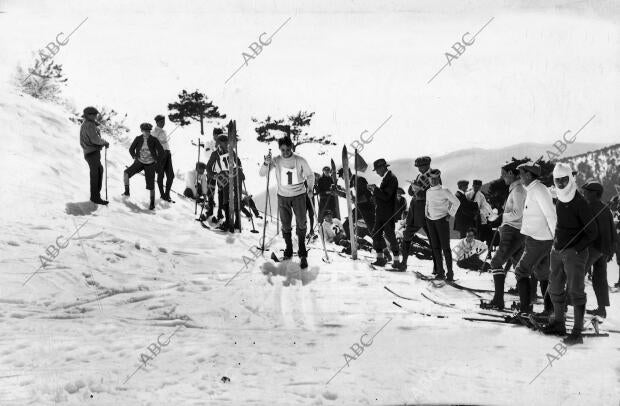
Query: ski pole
[[105, 154], [326, 259], [266, 202]]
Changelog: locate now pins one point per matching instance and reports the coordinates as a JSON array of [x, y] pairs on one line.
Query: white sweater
[[291, 174], [465, 250], [513, 209], [539, 216], [163, 138], [440, 202]]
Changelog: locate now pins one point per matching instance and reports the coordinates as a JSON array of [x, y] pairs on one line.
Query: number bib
[[289, 176], [223, 160]]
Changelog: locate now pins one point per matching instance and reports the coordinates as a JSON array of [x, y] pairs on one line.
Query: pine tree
[[43, 81], [293, 126], [195, 106]]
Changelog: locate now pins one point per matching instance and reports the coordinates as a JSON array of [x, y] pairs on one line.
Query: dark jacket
[[605, 242], [575, 228], [466, 214], [157, 151], [324, 185], [385, 196], [90, 137]]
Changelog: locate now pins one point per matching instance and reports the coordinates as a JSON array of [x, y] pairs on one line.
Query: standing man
[[485, 210], [165, 166], [538, 229], [440, 205], [415, 217], [510, 240], [292, 171], [324, 190], [146, 152], [465, 217], [218, 167], [92, 143], [574, 233], [385, 206], [602, 249]]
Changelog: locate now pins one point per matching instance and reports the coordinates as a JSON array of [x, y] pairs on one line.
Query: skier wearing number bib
[[291, 172], [218, 168]]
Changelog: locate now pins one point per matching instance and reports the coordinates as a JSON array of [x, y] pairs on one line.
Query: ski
[[463, 288], [347, 188], [232, 164], [335, 180], [397, 295], [450, 305]]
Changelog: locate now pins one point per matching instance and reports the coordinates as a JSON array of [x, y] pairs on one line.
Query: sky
[[536, 70]]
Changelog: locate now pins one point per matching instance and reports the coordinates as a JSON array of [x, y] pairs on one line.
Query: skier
[[147, 153], [485, 210], [165, 166], [212, 182], [292, 171], [327, 197], [218, 168], [537, 228], [574, 233], [510, 239], [92, 143], [440, 205], [467, 213], [602, 249], [385, 207], [468, 251], [416, 218]]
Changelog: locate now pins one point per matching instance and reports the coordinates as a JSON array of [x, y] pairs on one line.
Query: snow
[[76, 331]]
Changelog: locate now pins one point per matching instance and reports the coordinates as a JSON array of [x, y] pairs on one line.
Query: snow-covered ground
[[75, 332]]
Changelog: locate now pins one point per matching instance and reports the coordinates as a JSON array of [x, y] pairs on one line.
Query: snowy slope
[[74, 333]]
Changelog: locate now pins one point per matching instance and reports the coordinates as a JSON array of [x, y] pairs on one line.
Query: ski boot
[[556, 328], [100, 201], [450, 276], [573, 338], [600, 312], [440, 276], [303, 264], [380, 262], [491, 305]]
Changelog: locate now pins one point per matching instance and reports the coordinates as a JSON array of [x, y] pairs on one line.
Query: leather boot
[[575, 336]]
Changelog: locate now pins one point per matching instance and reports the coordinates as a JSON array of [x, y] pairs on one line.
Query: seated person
[[190, 181], [468, 251], [331, 228]]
